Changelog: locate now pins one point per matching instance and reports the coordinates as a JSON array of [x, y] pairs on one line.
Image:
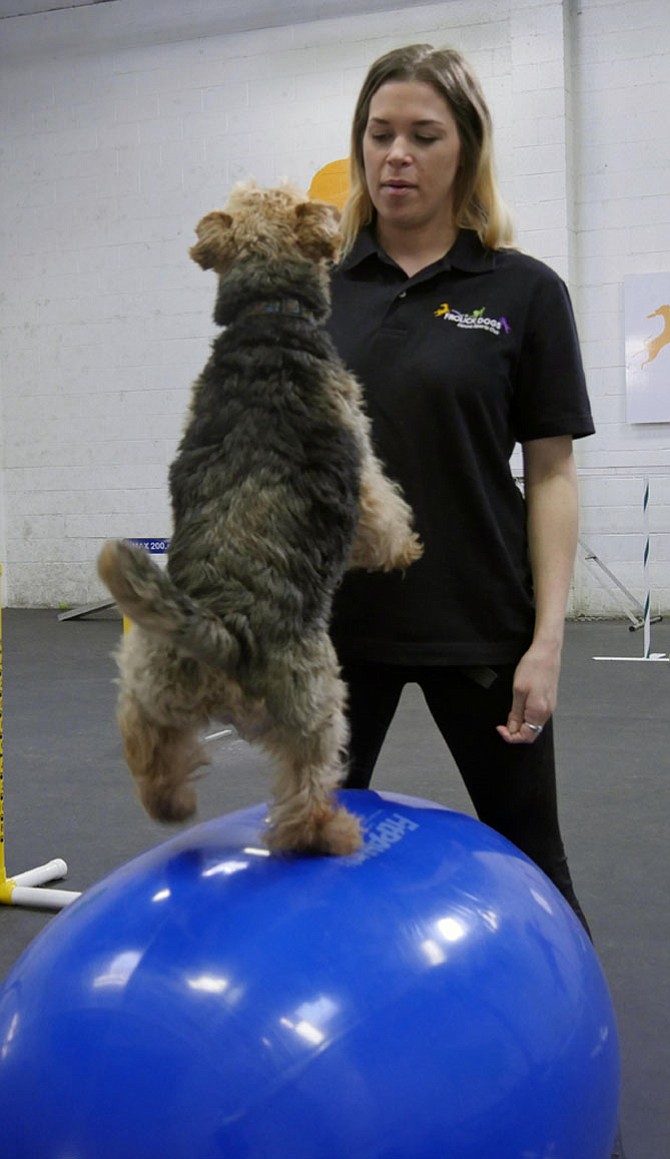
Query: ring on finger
[[536, 728]]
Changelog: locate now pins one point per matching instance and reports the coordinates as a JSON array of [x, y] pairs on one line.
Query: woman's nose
[[398, 151]]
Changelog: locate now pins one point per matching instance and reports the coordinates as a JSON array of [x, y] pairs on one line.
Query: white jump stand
[[647, 657], [25, 888]]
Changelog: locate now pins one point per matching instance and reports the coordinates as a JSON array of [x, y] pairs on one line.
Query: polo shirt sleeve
[[550, 396]]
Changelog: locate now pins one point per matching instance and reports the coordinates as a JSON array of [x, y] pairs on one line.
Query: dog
[[275, 492]]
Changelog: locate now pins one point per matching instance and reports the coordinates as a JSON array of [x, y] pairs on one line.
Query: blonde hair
[[477, 202]]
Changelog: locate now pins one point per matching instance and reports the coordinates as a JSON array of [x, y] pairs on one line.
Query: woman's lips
[[396, 188]]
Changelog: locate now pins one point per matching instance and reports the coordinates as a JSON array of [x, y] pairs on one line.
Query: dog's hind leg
[[308, 743], [305, 817], [162, 759]]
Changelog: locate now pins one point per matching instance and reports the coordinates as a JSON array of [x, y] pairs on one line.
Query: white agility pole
[[647, 654], [24, 888], [645, 572]]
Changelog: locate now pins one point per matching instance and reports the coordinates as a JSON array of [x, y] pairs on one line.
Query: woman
[[465, 347]]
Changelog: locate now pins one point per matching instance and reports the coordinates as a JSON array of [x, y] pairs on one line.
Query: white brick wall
[[122, 124], [622, 197]]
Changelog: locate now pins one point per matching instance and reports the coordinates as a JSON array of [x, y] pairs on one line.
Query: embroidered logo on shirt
[[477, 320]]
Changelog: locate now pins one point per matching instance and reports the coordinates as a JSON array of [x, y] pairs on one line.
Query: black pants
[[512, 787]]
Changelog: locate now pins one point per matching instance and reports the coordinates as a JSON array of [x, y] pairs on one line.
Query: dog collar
[[291, 307]]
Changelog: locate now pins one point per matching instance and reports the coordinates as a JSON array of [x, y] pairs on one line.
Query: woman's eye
[[386, 138]]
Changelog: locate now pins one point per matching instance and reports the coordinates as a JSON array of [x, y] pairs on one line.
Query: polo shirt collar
[[467, 253]]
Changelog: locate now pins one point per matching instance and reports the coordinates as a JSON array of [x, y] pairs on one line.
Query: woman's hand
[[534, 696]]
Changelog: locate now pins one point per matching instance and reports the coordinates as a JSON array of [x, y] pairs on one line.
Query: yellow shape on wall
[[331, 183]]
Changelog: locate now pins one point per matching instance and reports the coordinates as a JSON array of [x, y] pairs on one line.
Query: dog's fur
[[275, 492]]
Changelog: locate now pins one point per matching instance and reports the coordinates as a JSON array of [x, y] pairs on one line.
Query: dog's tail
[[148, 597]]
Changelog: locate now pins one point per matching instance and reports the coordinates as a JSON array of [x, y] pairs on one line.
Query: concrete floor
[[67, 794]]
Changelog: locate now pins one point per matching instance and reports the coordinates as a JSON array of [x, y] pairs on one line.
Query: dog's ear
[[212, 231], [318, 233]]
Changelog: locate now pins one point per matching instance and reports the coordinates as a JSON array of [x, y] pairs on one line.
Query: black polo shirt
[[473, 354]]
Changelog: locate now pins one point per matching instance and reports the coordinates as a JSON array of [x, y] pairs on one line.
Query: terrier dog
[[275, 491]]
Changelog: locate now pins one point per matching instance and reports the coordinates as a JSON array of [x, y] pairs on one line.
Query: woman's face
[[411, 154]]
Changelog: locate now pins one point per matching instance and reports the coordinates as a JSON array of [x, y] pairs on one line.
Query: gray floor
[[67, 795]]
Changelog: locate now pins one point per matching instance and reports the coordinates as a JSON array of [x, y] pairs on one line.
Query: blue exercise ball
[[430, 997]]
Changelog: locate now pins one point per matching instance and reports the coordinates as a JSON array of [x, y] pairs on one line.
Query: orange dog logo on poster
[[646, 299], [654, 345]]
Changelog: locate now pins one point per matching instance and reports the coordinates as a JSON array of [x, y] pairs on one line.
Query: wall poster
[[647, 329]]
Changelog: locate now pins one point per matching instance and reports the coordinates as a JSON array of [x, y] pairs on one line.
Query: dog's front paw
[[410, 551], [168, 803]]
